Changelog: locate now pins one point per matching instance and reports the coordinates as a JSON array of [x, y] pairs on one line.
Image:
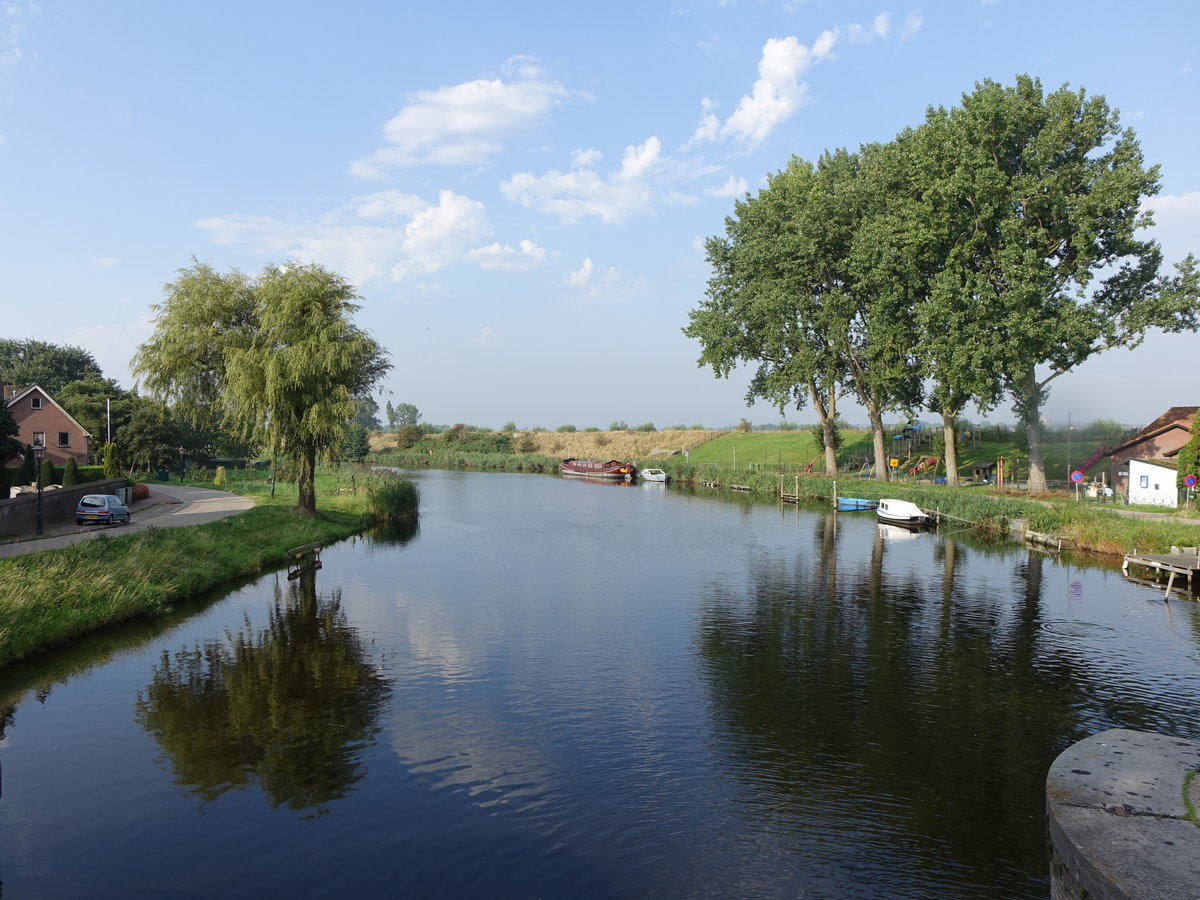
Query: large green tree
[[795, 290], [98, 404], [1043, 196], [26, 362], [10, 447], [277, 357], [768, 304], [1189, 456]]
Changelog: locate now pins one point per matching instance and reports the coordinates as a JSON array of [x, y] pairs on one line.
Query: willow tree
[[1044, 197], [278, 358]]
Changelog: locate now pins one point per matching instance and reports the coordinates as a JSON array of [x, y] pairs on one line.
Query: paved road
[[168, 506]]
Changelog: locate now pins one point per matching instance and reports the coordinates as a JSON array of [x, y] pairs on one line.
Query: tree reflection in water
[[290, 706], [890, 707]]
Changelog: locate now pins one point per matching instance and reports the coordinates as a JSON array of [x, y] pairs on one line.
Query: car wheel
[[79, 521]]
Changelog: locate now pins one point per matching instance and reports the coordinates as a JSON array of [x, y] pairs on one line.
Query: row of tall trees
[[976, 257]]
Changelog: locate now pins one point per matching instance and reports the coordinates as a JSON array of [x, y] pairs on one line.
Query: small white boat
[[655, 475], [902, 512]]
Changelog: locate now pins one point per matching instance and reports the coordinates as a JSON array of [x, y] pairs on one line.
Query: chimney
[[7, 391]]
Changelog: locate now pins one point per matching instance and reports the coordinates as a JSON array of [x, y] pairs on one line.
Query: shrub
[[28, 467], [71, 472], [219, 477], [48, 475], [141, 491], [5, 482], [394, 500], [408, 436], [112, 462], [566, 429], [646, 426]]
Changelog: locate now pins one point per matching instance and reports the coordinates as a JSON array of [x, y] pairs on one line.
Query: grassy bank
[[51, 597]]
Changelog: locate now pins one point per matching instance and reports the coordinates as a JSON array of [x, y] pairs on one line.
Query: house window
[[39, 439], [64, 439], [35, 402], [1144, 481]]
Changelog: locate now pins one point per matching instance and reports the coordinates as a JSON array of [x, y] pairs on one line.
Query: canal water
[[559, 688]]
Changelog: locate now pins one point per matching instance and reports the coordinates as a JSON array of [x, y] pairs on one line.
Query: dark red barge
[[613, 469]]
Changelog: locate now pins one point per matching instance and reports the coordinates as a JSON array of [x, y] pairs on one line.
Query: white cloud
[[879, 28], [487, 335], [440, 234], [585, 159], [912, 24], [581, 192], [105, 261], [581, 277], [733, 187], [778, 92], [464, 124], [505, 257], [388, 235], [15, 17]]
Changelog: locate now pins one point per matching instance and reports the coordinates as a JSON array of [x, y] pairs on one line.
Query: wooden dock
[[1183, 561]]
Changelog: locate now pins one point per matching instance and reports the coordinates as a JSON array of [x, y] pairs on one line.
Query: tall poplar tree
[[1043, 199]]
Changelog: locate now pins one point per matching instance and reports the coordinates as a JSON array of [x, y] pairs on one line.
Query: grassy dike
[[51, 597]]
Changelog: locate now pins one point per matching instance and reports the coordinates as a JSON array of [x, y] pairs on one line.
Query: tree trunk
[[826, 408], [949, 431], [1031, 408], [306, 485], [881, 458]]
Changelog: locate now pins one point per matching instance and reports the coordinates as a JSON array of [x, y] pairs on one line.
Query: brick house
[[1162, 439], [44, 423]]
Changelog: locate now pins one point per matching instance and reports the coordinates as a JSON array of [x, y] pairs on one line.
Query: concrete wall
[[19, 515], [1117, 805]]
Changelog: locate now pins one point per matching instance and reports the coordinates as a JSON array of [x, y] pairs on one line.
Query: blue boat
[[849, 504]]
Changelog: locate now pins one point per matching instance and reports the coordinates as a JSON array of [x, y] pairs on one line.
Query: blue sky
[[520, 191]]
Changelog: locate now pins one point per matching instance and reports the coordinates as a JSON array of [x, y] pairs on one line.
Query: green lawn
[[797, 449]]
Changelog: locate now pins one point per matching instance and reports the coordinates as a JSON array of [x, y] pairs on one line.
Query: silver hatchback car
[[106, 508]]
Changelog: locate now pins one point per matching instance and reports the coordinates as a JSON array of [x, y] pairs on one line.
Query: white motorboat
[[655, 475], [902, 512]]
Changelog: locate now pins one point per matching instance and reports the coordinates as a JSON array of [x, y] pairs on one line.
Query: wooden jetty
[[1183, 561]]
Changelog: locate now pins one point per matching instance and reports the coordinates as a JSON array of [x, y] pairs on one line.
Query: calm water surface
[[565, 689]]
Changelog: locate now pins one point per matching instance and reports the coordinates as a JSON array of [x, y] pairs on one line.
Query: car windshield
[[92, 501]]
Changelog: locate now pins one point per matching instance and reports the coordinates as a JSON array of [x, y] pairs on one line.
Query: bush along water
[[394, 500]]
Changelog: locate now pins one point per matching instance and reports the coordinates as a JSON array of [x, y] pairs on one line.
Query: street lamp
[[38, 452]]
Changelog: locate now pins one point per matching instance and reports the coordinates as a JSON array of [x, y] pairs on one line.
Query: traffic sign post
[[1077, 477]]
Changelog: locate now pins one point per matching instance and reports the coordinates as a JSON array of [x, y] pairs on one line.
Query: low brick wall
[[19, 515]]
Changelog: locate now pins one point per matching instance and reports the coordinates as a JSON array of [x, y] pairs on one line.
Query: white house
[[1152, 482]]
